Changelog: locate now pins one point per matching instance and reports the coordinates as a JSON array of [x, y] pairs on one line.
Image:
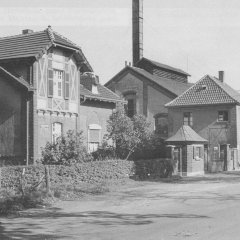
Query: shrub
[[105, 152], [67, 150]]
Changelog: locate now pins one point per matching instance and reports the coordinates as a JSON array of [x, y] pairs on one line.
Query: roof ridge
[[68, 40], [21, 35]]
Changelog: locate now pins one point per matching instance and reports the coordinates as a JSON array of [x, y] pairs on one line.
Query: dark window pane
[[130, 108], [188, 119], [223, 116]]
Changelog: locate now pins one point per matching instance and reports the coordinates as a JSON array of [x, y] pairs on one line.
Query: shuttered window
[[66, 86], [50, 82]]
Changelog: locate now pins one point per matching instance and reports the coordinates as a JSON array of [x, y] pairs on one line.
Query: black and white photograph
[[119, 120]]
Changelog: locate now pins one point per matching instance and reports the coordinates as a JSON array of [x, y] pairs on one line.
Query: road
[[205, 208]]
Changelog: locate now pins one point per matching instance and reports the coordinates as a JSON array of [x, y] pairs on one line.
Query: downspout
[[27, 130]]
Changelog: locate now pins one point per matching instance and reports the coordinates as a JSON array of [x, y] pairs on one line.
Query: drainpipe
[[27, 130]]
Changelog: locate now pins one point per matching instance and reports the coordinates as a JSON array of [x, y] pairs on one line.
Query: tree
[[128, 134]]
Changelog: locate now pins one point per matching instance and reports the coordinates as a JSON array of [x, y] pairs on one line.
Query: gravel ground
[[190, 208]]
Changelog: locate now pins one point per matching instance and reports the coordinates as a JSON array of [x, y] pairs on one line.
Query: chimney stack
[[221, 76], [137, 30], [27, 31]]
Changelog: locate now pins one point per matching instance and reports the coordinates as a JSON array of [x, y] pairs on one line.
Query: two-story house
[[40, 92], [212, 109]]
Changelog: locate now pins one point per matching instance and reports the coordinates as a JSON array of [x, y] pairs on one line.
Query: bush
[[152, 149], [153, 169], [105, 152], [67, 150]]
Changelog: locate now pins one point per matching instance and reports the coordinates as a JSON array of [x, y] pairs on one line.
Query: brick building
[[212, 109], [40, 91], [147, 87]]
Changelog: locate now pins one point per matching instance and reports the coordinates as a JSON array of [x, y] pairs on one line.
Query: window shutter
[[50, 79], [66, 86]]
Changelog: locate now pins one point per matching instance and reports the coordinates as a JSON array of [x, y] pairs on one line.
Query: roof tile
[[185, 134], [208, 90]]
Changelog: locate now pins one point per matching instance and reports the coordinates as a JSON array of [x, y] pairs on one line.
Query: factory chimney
[[137, 30]]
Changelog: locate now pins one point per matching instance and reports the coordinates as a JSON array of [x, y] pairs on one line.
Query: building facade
[[40, 91], [96, 106], [211, 108], [147, 88]]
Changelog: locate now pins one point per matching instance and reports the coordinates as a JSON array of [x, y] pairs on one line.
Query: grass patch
[[12, 202]]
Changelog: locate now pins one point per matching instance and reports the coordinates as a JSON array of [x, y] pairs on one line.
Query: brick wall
[[44, 128], [205, 123], [95, 112], [150, 98]]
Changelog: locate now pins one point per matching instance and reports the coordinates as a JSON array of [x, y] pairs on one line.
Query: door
[[223, 156], [176, 160], [205, 159]]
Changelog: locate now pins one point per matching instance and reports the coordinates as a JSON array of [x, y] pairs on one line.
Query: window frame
[[189, 117], [131, 95], [156, 118], [55, 136], [56, 82], [223, 116]]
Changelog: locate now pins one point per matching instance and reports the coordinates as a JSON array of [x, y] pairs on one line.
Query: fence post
[[47, 178]]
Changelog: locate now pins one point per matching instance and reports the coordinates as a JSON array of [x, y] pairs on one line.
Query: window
[[58, 84], [94, 137], [56, 131], [161, 124], [196, 153], [187, 119], [130, 107], [222, 116]]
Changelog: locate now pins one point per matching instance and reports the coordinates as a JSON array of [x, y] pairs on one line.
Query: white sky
[[198, 36]]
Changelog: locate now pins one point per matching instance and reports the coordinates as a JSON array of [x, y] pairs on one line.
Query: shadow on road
[[24, 227], [23, 232]]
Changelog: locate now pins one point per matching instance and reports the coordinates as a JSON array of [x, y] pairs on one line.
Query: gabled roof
[[207, 91], [35, 44], [162, 66], [104, 94], [18, 80], [172, 86], [186, 134]]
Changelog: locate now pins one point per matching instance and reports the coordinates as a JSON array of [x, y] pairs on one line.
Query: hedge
[[90, 172]]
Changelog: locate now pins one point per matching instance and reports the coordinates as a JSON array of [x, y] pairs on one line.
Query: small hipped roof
[[186, 135]]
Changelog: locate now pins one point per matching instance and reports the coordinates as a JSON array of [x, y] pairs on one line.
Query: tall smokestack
[[137, 30]]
